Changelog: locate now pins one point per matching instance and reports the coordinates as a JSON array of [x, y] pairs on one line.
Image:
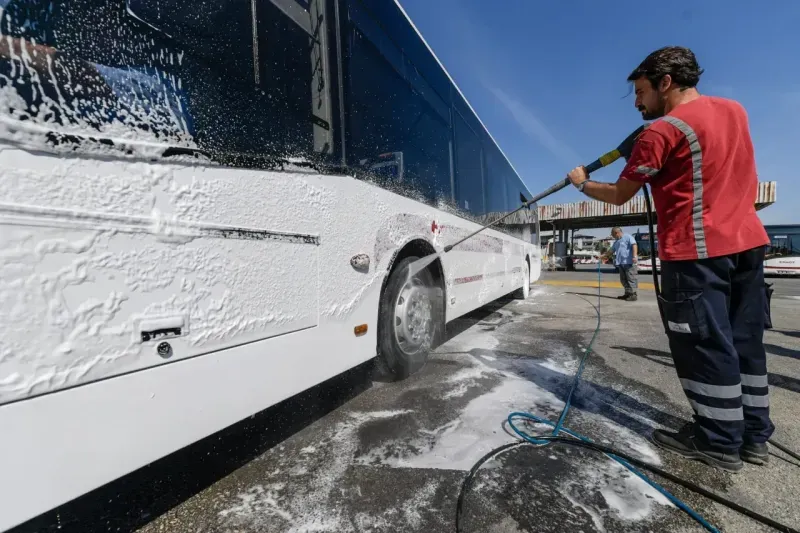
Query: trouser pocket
[[768, 290], [684, 315]]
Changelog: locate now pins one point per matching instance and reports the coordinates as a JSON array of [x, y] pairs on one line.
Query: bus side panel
[[481, 269], [58, 446], [107, 262]]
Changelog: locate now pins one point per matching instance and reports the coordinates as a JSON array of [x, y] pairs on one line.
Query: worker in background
[[698, 157], [625, 259]]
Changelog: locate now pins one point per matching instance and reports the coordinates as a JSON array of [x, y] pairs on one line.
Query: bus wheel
[[523, 292], [409, 320]]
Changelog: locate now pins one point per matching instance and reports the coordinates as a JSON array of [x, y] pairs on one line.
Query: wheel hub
[[413, 317]]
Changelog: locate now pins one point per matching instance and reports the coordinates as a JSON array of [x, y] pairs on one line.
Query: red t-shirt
[[700, 162]]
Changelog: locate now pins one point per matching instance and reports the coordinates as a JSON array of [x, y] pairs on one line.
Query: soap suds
[[312, 504]]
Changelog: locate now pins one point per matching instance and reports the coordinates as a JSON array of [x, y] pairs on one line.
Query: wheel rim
[[413, 316]]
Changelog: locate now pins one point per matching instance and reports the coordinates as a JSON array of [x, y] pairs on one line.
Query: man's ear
[[665, 82]]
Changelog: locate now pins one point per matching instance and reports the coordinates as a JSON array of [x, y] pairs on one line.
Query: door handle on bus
[[159, 328]]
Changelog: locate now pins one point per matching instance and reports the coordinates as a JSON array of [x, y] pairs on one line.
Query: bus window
[[390, 166], [781, 245], [380, 83], [79, 64], [469, 169], [218, 33], [496, 181], [643, 243], [154, 70], [293, 72]]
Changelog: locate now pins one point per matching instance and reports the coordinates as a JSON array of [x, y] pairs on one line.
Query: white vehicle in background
[[783, 253], [206, 211], [643, 244], [586, 257], [646, 264], [782, 266]]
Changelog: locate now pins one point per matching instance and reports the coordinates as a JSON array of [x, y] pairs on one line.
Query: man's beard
[[650, 115]]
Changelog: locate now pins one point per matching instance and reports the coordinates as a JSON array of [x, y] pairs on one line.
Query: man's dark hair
[[677, 61]]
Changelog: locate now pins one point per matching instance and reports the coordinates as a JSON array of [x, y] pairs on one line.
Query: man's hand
[[578, 175]]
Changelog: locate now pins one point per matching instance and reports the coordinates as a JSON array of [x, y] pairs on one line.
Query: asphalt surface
[[351, 455]]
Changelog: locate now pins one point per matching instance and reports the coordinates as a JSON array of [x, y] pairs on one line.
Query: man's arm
[[647, 158], [611, 193], [635, 252]]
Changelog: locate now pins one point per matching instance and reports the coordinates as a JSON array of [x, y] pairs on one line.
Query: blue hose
[[558, 427]]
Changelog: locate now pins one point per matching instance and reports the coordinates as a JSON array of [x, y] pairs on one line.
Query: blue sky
[[548, 78]]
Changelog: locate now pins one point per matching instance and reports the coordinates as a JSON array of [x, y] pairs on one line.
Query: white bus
[[586, 257], [206, 208], [783, 252], [782, 255]]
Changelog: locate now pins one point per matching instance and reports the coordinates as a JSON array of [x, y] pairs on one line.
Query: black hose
[[632, 460], [784, 449], [653, 255], [652, 240], [468, 480]]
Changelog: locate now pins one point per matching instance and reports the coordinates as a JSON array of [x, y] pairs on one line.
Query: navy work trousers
[[714, 313]]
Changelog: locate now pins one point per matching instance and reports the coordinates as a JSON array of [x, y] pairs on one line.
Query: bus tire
[[409, 321], [523, 292]]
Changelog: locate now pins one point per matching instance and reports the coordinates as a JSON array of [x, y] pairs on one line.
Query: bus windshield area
[[784, 245], [643, 243]]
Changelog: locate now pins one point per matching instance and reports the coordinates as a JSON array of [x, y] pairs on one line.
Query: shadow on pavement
[[665, 359], [784, 382], [656, 356], [132, 501], [781, 351]]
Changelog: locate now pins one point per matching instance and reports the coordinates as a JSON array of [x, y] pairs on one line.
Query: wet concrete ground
[[353, 456]]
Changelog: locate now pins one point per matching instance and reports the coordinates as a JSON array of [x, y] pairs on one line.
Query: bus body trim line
[[29, 215]]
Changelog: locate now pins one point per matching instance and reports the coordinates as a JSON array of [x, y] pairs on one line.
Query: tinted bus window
[[515, 191], [497, 180], [469, 169], [156, 70], [784, 243], [294, 75], [390, 115]]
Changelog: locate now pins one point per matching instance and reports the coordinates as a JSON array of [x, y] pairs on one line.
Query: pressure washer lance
[[623, 150]]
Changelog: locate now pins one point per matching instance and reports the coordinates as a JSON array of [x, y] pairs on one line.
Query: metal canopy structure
[[594, 214]]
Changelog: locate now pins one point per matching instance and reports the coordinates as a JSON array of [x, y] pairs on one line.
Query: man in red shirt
[[698, 158]]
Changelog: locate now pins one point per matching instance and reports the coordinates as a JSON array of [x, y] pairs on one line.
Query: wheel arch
[[419, 248], [528, 260]]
